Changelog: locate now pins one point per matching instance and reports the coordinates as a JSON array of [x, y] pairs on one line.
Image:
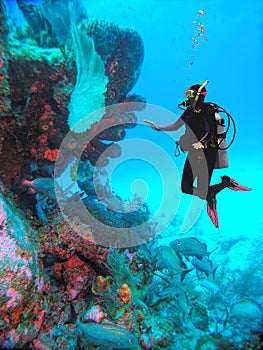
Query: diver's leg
[[187, 178], [214, 189], [233, 185], [226, 182], [196, 167], [210, 156], [203, 169]]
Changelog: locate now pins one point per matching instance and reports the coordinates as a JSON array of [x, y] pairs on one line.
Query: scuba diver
[[202, 143]]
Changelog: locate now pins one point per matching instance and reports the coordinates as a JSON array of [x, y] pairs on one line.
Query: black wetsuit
[[200, 126]]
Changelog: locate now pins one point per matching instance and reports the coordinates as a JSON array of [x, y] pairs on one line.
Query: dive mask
[[190, 93]]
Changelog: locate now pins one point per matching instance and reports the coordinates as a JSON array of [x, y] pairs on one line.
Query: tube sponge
[[88, 93]]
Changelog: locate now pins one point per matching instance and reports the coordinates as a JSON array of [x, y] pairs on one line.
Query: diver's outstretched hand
[[152, 125]]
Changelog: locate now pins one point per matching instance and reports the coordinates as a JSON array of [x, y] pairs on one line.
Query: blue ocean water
[[231, 59], [229, 55]]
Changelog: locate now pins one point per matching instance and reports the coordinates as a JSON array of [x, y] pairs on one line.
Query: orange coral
[[124, 294], [51, 154], [101, 285]]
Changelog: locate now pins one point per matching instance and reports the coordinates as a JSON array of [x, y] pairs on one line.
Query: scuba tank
[[220, 138], [222, 130]]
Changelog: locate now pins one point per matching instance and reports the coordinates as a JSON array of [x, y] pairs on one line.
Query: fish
[[210, 285], [44, 189], [42, 185], [246, 309], [204, 265], [109, 336], [169, 259], [191, 247], [183, 302]]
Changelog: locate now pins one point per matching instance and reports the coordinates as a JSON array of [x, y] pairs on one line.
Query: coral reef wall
[[22, 306], [4, 85]]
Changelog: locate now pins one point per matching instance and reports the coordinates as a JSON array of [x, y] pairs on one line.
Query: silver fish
[[246, 309], [169, 259], [110, 336], [183, 302], [191, 246], [204, 265], [210, 285]]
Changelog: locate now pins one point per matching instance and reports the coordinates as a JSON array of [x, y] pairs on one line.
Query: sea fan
[[88, 94]]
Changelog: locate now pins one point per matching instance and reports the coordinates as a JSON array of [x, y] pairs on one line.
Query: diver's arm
[[172, 127]]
